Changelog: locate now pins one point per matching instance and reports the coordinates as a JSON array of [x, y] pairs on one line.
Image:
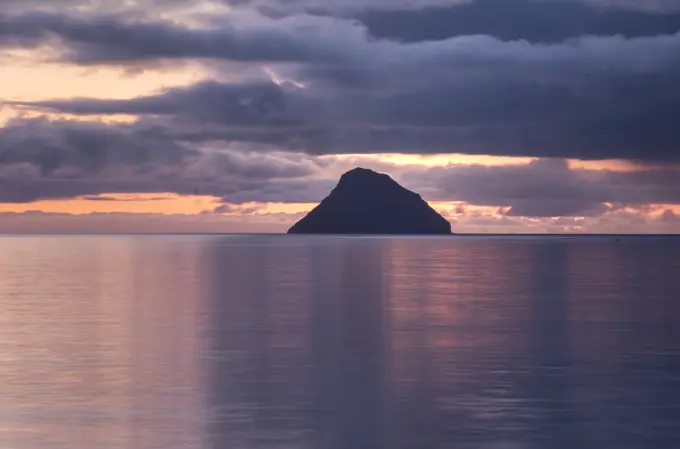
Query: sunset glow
[[171, 106]]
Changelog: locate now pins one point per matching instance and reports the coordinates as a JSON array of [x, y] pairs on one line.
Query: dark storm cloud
[[632, 118], [589, 98], [548, 188], [336, 6], [293, 190], [111, 39], [657, 6], [533, 20], [41, 159], [227, 208], [251, 103], [78, 149], [281, 6], [302, 39]]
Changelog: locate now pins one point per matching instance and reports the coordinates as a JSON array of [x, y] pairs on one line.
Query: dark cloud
[[120, 199], [615, 117], [41, 159], [113, 39], [234, 209], [536, 21], [76, 149], [306, 39], [657, 6], [548, 188], [250, 103], [286, 7], [588, 98], [292, 190], [339, 6], [282, 7]]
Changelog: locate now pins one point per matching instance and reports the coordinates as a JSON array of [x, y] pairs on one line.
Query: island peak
[[368, 202]]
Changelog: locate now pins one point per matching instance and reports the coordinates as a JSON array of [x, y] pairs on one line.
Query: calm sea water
[[240, 342]]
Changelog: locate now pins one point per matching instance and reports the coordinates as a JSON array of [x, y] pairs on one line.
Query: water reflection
[[96, 343], [548, 386], [297, 345], [334, 343]]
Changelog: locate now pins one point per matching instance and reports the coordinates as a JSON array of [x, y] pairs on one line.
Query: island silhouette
[[367, 202]]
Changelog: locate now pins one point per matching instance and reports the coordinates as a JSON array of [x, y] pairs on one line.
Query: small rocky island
[[366, 202]]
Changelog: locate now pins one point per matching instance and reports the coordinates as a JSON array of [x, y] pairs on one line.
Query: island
[[367, 202]]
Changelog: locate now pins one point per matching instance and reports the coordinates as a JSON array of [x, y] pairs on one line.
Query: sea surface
[[259, 342]]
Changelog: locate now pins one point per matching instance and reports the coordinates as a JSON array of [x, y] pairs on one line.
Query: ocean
[[300, 342]]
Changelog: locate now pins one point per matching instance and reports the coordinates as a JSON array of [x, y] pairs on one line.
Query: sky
[[520, 116]]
